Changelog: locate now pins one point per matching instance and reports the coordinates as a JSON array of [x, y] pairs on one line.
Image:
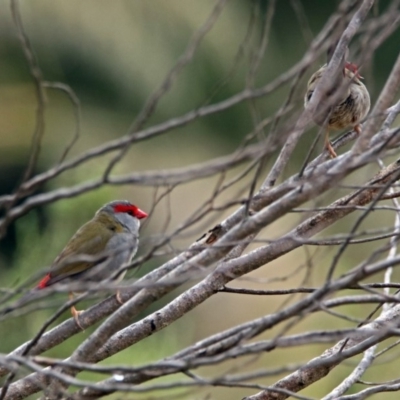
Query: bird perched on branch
[[97, 250], [345, 104]]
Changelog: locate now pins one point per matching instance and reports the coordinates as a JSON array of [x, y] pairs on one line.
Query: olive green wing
[[88, 241]]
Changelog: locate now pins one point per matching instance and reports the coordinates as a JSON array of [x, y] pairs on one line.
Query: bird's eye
[[130, 212]]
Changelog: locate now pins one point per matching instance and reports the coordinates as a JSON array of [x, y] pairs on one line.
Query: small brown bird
[[349, 110]]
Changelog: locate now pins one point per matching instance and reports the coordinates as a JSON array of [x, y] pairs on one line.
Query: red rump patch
[[43, 283], [130, 209]]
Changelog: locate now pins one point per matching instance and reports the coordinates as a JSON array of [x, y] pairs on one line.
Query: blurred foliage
[[114, 54]]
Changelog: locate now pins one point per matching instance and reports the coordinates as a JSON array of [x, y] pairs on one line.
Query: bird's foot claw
[[75, 313], [119, 298], [331, 150], [332, 154], [357, 129]]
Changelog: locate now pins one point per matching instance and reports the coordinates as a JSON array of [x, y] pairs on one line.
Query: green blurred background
[[114, 54]]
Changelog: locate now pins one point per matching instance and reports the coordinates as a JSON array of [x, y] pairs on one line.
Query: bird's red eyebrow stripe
[[43, 283], [130, 209], [124, 208]]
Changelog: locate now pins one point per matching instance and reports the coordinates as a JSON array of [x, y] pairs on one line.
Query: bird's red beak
[[354, 69], [140, 214]]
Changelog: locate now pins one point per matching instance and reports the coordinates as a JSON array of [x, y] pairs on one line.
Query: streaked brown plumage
[[349, 111]]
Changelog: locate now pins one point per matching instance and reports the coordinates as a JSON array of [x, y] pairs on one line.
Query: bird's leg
[[357, 129], [75, 313], [328, 145]]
